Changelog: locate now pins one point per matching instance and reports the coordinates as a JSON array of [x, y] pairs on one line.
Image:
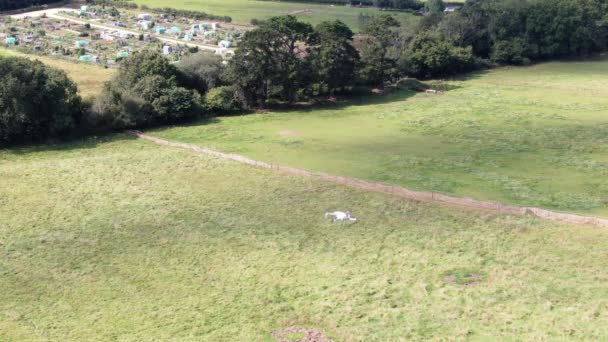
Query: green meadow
[[118, 239], [89, 78], [535, 135], [242, 11]]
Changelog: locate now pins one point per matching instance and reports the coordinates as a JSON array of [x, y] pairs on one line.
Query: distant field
[[124, 240], [242, 11], [89, 78], [530, 135]]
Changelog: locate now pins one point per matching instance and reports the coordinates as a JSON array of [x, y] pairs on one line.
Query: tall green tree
[[334, 59], [37, 102], [201, 71], [431, 55], [144, 92], [379, 65], [271, 62], [434, 6]]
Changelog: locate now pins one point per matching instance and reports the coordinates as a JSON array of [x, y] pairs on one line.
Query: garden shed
[[144, 16], [160, 29], [85, 58], [11, 40], [146, 25]]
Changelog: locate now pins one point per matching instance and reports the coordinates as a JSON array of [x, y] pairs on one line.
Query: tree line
[[197, 15], [8, 5], [284, 61]]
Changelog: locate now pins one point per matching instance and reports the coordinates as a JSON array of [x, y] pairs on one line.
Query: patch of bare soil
[[472, 279], [310, 335]]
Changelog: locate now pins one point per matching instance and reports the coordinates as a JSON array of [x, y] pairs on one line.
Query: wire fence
[[391, 189]]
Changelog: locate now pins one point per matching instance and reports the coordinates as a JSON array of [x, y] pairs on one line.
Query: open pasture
[[118, 239], [242, 11], [89, 78], [534, 135]]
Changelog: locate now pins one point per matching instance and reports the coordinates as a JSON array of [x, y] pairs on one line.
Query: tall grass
[[530, 136], [115, 239]]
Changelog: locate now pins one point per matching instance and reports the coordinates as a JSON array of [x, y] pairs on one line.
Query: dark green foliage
[[144, 92], [37, 102], [221, 100], [270, 62], [200, 71], [379, 65], [18, 4], [434, 6], [431, 55], [515, 31], [334, 59], [513, 51]]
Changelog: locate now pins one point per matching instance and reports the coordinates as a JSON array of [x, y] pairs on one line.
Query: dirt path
[[390, 189]]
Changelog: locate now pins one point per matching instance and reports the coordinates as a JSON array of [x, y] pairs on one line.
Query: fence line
[[390, 189]]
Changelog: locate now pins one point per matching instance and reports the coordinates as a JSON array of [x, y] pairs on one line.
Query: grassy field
[[533, 135], [89, 78], [242, 11], [118, 239]]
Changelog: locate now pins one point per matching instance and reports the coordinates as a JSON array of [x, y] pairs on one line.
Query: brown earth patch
[[309, 335]]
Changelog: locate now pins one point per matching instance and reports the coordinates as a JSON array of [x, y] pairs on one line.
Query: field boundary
[[389, 189]]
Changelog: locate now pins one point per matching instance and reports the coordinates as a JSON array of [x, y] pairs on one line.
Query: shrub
[[513, 51], [221, 100], [143, 93], [431, 55], [200, 71], [37, 102]]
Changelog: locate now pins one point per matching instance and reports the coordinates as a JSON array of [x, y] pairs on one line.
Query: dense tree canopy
[[334, 59], [17, 4], [144, 92], [201, 71], [379, 65], [37, 102], [270, 63]]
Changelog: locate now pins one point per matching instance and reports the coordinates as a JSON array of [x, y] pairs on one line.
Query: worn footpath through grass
[[530, 136], [122, 239]]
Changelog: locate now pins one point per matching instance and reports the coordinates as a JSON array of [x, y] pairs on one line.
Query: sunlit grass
[[242, 11], [530, 135], [116, 239], [89, 78]]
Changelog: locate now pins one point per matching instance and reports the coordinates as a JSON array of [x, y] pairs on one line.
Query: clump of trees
[[284, 60], [144, 93], [6, 5], [36, 102], [521, 31]]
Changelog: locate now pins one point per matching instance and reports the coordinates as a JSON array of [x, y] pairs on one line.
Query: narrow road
[[390, 189], [54, 13]]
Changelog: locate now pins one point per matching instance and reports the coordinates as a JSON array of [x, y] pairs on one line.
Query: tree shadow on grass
[[89, 142], [363, 98]]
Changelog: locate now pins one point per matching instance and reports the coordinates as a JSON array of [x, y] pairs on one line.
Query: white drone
[[340, 216]]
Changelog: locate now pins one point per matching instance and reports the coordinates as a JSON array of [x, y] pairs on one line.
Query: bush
[[200, 71], [430, 55], [221, 100], [143, 93], [37, 102], [514, 51]]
